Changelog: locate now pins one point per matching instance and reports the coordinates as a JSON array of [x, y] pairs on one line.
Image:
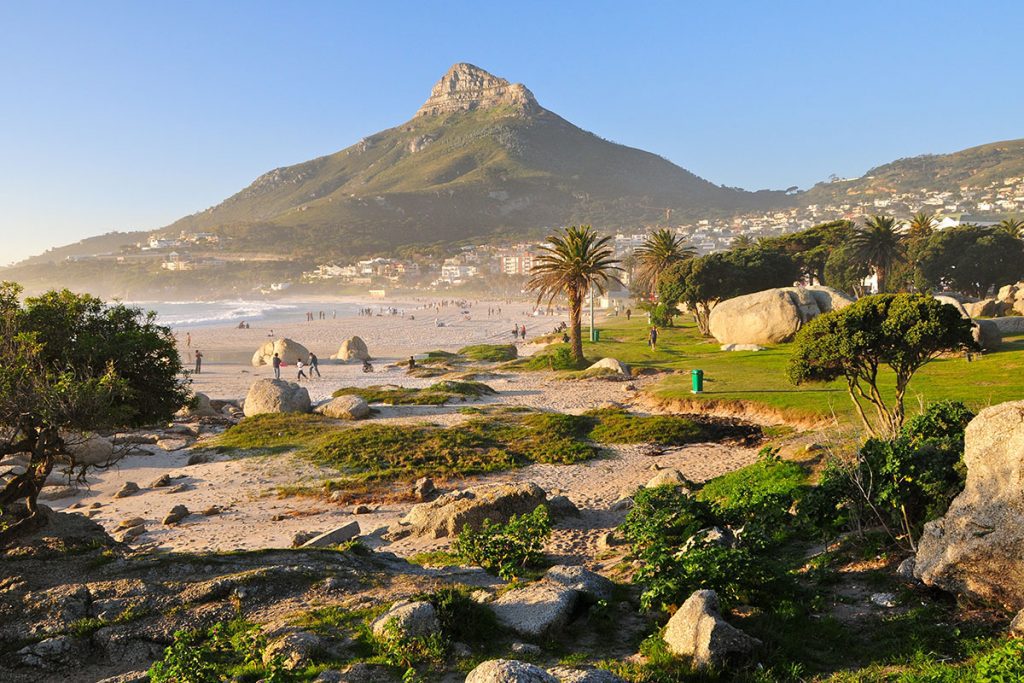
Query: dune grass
[[489, 353], [436, 394]]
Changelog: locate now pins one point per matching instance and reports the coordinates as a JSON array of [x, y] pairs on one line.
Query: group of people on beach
[[320, 315], [519, 332], [313, 363]]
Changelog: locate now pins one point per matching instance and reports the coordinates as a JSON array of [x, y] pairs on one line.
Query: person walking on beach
[[652, 338], [629, 313], [188, 340], [299, 366], [314, 365], [199, 362], [276, 362], [522, 332]]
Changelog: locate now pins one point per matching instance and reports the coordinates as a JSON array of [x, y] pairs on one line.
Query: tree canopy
[[660, 250], [702, 282], [73, 365], [971, 259], [900, 331], [810, 248], [880, 245]]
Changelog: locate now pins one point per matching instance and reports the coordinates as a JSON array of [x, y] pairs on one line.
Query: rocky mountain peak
[[465, 87]]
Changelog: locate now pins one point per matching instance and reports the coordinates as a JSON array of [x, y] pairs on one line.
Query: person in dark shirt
[[277, 366], [314, 365]]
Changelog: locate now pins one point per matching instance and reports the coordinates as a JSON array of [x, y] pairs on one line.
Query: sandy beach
[[244, 487]]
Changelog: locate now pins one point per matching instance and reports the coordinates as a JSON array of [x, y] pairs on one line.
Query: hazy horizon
[[128, 117]]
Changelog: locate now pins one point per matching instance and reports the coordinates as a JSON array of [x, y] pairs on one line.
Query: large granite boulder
[[698, 631], [447, 514], [772, 316], [986, 334], [353, 348], [509, 671], [345, 408], [89, 449], [1009, 325], [288, 350], [954, 302], [275, 396], [988, 308], [977, 548]]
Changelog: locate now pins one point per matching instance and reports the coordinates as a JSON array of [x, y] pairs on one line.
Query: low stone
[[211, 511], [361, 509], [353, 348], [590, 585], [345, 408], [741, 347], [623, 504], [567, 675], [178, 488], [130, 534], [337, 536], [48, 653], [615, 366], [127, 677], [561, 507], [161, 481], [986, 334], [509, 671], [407, 620], [129, 523], [449, 513], [906, 569], [526, 649], [199, 458], [174, 444], [424, 489], [57, 492], [1017, 625], [128, 489], [537, 609], [294, 650], [698, 631], [177, 513], [301, 537], [667, 478], [884, 599]]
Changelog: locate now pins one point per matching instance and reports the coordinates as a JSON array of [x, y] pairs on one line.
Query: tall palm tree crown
[[921, 225], [880, 245], [574, 259], [1013, 226], [660, 250]]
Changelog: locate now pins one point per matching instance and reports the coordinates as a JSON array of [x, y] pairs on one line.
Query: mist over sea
[[182, 314]]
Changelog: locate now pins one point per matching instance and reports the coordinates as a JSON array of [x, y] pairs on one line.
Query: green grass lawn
[[759, 377]]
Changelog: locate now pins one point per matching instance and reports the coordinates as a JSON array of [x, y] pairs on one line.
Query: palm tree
[[1013, 226], [743, 241], [921, 225], [879, 245], [574, 259], [660, 250]]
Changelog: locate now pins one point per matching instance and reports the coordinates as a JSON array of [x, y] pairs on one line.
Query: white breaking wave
[[205, 313]]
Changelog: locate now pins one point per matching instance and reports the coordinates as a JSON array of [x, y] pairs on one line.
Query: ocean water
[[183, 314]]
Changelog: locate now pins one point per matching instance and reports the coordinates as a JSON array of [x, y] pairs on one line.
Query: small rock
[[566, 675], [668, 478], [906, 570], [178, 489], [590, 585], [361, 510], [301, 537], [424, 489], [509, 671], [336, 536], [295, 649], [608, 540], [129, 523], [161, 481], [537, 609], [526, 649], [409, 620], [623, 504], [560, 507], [129, 488], [177, 513], [95, 505], [199, 458], [1017, 625], [814, 447], [461, 650], [697, 630], [211, 511], [884, 599]]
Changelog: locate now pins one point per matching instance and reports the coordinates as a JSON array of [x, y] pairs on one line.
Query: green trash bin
[[697, 380]]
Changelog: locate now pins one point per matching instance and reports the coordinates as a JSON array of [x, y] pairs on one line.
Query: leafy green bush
[[434, 395], [904, 482], [556, 357], [490, 353], [506, 549], [225, 649], [1003, 664], [615, 425]]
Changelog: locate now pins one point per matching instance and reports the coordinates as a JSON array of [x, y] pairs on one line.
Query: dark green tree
[[73, 365], [1012, 226], [810, 248], [574, 261], [846, 270], [900, 331], [700, 283], [971, 259]]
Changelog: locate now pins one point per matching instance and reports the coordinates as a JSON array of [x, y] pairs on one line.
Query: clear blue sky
[[128, 115]]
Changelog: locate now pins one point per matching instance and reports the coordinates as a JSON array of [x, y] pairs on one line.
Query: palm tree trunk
[[575, 325], [880, 275]]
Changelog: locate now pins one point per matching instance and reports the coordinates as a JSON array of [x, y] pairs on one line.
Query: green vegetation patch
[[613, 425], [436, 394], [490, 353]]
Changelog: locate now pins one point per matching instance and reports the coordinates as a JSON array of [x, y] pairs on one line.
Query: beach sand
[[253, 516]]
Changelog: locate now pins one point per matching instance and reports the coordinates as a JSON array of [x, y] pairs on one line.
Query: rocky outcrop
[[977, 548], [591, 586], [288, 350], [276, 396], [509, 671], [353, 348], [446, 515], [337, 536], [698, 631], [772, 316], [988, 308], [345, 408], [1013, 297], [466, 87]]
